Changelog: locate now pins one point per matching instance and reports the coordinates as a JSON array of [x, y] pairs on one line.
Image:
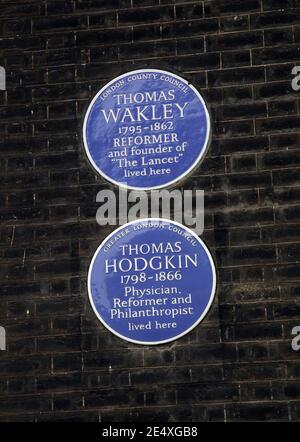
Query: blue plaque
[[146, 129], [151, 281]]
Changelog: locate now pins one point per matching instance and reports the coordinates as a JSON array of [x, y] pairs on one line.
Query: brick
[[245, 255], [57, 23], [151, 49], [190, 28], [254, 352], [22, 365], [243, 163], [276, 37], [82, 416], [295, 407], [239, 22], [12, 26], [155, 15], [148, 32], [207, 354], [286, 177], [242, 112], [272, 55], [190, 46], [236, 58], [68, 362], [216, 8], [277, 72], [286, 311], [278, 160], [237, 145], [286, 272], [255, 331], [273, 90], [240, 236], [197, 393], [235, 129], [25, 43], [288, 124], [272, 5], [282, 108], [13, 405], [257, 412], [56, 7], [20, 347], [287, 196], [234, 41], [59, 344], [284, 141], [9, 9], [243, 181], [254, 392], [199, 62], [274, 19], [119, 359], [186, 12]]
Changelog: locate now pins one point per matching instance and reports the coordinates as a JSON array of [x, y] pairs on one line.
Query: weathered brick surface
[[61, 364]]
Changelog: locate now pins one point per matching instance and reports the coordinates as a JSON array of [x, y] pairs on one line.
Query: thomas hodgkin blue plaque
[[151, 281], [146, 129]]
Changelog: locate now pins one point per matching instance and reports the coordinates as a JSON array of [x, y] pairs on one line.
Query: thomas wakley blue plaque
[[146, 129]]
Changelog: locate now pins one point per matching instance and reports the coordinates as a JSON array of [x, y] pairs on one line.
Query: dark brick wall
[[61, 364]]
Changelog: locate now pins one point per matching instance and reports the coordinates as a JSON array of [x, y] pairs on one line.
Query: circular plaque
[[151, 281], [146, 129]]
